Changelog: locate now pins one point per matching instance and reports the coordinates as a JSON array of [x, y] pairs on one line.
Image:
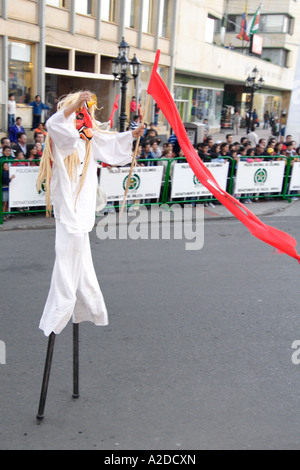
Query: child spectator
[[19, 157], [11, 110], [6, 153], [5, 189]]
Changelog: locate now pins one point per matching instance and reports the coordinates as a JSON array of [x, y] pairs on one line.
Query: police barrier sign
[[259, 177], [145, 182], [22, 189], [295, 179], [185, 183]]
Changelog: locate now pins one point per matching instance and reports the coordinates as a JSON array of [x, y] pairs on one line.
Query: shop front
[[198, 99]]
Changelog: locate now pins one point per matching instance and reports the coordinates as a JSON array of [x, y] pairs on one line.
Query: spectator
[[229, 139], [40, 138], [253, 137], [5, 142], [134, 123], [32, 155], [147, 154], [236, 120], [215, 152], [266, 120], [133, 106], [40, 130], [39, 149], [176, 147], [11, 104], [155, 149], [156, 113], [38, 107], [203, 152], [150, 133], [19, 156], [210, 142], [15, 129], [6, 154], [22, 143], [5, 189], [206, 127], [276, 127], [224, 151]]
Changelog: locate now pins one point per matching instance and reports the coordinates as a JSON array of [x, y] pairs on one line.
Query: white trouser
[[74, 286]]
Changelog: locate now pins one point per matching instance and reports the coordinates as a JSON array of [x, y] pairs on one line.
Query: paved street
[[197, 354]]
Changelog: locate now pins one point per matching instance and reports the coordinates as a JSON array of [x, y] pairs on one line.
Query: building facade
[[49, 47], [211, 65]]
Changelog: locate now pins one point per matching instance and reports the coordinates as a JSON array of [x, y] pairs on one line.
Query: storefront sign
[[185, 183], [259, 177]]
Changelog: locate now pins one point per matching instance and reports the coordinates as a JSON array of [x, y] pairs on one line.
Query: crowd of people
[[16, 151]]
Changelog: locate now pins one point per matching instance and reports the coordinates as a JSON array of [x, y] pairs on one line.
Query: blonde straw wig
[[71, 162]]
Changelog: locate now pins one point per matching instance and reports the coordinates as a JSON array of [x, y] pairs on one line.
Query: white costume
[[74, 286]]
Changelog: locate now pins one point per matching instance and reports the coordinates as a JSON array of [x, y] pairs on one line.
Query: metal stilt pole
[[75, 360], [47, 370]]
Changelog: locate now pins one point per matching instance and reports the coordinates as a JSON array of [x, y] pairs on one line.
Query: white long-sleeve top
[[114, 149]]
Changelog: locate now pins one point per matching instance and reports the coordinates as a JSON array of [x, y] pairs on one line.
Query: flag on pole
[[243, 34], [115, 107], [254, 23], [281, 241]]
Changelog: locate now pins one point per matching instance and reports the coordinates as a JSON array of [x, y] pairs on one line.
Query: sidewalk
[[262, 134], [260, 208]]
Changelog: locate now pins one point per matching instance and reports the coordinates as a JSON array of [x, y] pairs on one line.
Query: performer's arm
[[116, 149]]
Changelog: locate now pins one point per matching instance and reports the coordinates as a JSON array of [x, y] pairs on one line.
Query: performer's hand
[[83, 97], [138, 132]]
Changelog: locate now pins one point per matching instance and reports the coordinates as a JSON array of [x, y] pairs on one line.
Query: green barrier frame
[[164, 199]]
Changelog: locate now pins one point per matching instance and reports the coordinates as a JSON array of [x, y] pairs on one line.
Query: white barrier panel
[[259, 177], [22, 189], [186, 184], [295, 179], [145, 182]]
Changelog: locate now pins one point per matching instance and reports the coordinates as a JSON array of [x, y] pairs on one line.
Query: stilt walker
[[68, 170]]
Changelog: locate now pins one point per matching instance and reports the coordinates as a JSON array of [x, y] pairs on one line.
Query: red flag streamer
[[283, 242], [115, 107]]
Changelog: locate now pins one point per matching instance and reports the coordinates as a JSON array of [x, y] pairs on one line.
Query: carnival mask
[[84, 122]]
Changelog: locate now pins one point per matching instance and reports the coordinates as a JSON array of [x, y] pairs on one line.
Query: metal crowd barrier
[[166, 185]]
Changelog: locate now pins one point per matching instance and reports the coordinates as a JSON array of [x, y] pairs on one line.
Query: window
[[20, 71], [84, 7], [84, 62], [132, 13], [275, 55], [57, 58], [56, 3], [148, 17], [275, 24], [164, 18], [109, 10], [211, 28]]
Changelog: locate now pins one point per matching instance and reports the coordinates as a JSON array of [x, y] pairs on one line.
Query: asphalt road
[[198, 353]]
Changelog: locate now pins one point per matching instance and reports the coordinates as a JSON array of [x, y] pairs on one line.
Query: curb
[[207, 217]]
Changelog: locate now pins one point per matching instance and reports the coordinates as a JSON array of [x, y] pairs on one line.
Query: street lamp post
[[121, 67], [252, 85]]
